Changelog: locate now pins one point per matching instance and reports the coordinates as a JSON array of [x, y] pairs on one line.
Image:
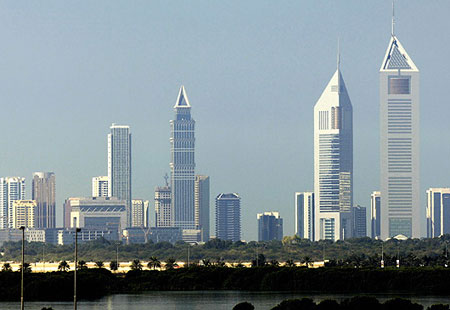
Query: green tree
[[114, 265], [27, 268], [154, 263], [82, 265], [6, 267], [307, 261], [244, 306], [63, 266], [289, 263], [170, 264], [136, 265]]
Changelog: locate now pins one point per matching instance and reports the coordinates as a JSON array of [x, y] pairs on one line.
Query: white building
[[11, 189], [163, 207], [139, 213], [97, 213], [100, 186], [333, 161], [438, 212], [399, 148], [119, 165], [304, 215], [375, 214]]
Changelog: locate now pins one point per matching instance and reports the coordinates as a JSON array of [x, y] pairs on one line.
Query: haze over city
[[252, 70]]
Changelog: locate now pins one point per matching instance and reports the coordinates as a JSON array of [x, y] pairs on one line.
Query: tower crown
[[397, 58], [182, 99]]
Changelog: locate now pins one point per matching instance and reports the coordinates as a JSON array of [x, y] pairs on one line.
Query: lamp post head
[[22, 227], [77, 229]]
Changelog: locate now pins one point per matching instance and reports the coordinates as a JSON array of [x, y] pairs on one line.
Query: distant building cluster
[[329, 212], [182, 204]]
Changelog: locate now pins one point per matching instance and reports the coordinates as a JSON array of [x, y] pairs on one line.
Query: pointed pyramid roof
[[182, 100], [335, 93], [397, 58]]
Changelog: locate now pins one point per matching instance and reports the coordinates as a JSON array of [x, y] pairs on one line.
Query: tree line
[[359, 252]]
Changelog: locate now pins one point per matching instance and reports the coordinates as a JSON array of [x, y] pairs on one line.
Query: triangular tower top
[[335, 93], [182, 100], [396, 57]]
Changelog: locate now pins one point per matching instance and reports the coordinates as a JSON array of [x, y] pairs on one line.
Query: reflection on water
[[197, 300]]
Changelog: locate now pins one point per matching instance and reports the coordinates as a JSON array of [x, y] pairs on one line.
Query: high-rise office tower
[[375, 214], [201, 203], [270, 226], [163, 207], [11, 189], [119, 165], [44, 193], [25, 214], [182, 164], [100, 186], [359, 221], [333, 161], [139, 213], [399, 147], [438, 212], [228, 217], [304, 215]]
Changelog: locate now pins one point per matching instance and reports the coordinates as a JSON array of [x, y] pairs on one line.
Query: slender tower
[[182, 165], [43, 191], [333, 161], [399, 137], [119, 165]]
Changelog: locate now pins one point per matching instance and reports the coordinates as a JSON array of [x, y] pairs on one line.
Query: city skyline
[[134, 85]]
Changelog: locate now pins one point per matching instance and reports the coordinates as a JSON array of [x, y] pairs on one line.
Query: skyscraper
[[304, 215], [438, 212], [44, 193], [228, 217], [270, 226], [399, 147], [201, 203], [333, 161], [359, 221], [100, 186], [119, 165], [163, 207], [11, 189], [375, 214], [182, 165]]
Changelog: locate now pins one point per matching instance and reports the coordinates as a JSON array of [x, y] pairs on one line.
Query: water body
[[196, 300]]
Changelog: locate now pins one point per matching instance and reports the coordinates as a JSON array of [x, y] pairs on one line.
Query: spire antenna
[[393, 19], [338, 57]]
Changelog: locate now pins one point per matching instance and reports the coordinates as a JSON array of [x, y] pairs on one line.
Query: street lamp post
[[22, 228], [77, 230]]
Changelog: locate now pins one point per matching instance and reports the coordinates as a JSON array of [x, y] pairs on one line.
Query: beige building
[[24, 213], [139, 213]]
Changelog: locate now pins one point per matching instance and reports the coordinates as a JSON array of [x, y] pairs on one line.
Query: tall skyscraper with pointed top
[[182, 165], [399, 137], [333, 161]]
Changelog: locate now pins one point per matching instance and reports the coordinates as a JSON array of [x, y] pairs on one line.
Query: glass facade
[[119, 165], [182, 165]]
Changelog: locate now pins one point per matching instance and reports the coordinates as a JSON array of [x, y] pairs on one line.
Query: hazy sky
[[253, 71]]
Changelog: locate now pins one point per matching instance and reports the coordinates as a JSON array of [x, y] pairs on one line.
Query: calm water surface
[[216, 300]]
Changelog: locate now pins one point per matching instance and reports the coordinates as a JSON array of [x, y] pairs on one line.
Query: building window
[[399, 85]]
